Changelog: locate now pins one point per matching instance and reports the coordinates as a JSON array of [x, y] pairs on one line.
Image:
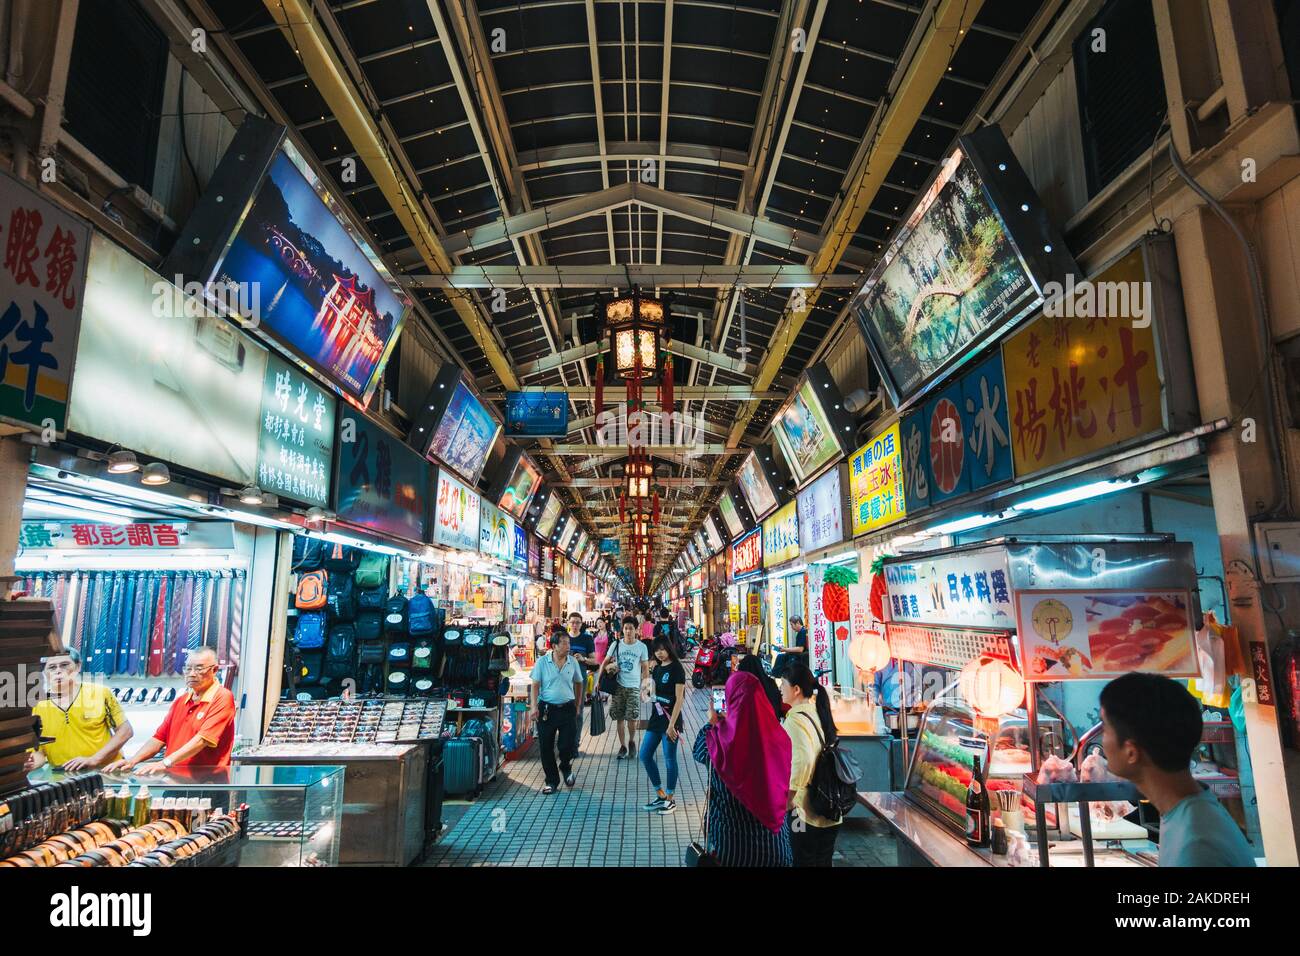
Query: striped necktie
[[158, 633], [194, 631], [223, 620], [83, 611], [236, 620], [122, 646], [141, 620], [90, 641], [181, 634]]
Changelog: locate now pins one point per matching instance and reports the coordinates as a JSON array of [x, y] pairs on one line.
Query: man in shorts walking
[[629, 659]]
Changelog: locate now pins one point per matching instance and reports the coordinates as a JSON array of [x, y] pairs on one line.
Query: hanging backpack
[[371, 599], [339, 651], [309, 668], [419, 615], [341, 597], [308, 553], [395, 615], [309, 634], [372, 572], [833, 790], [370, 626], [312, 590], [342, 559], [371, 652]]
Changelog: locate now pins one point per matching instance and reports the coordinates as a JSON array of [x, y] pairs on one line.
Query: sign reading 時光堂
[[42, 284]]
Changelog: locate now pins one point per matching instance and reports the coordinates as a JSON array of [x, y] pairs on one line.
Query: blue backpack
[[419, 614], [310, 632]]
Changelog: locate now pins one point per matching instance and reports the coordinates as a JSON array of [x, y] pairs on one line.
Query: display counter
[[383, 794], [293, 812], [923, 841]]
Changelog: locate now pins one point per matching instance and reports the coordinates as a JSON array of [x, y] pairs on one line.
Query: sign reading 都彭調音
[[42, 284], [137, 536], [537, 414], [295, 450]]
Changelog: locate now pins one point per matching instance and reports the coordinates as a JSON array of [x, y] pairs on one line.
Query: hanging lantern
[[991, 686], [636, 323], [869, 651], [638, 478]]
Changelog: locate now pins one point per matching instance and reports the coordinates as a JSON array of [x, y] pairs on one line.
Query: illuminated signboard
[[730, 516], [456, 514], [781, 536], [550, 515], [756, 486], [821, 513], [876, 482], [747, 554], [525, 478], [807, 429]]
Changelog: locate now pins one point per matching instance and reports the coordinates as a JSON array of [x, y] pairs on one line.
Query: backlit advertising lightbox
[[456, 514], [756, 486], [465, 435]]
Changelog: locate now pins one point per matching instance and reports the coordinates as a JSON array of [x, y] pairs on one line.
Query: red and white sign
[[747, 554], [141, 536], [819, 629]]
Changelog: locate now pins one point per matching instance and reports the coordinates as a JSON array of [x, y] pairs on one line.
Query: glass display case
[[943, 762], [294, 812]]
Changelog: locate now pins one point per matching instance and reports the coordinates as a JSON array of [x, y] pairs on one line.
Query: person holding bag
[[748, 756], [811, 728], [624, 667]]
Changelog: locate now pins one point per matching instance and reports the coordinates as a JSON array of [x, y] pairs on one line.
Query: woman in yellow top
[[809, 723], [85, 719]]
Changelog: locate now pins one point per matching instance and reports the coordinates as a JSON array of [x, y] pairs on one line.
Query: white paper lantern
[[869, 651], [991, 686]]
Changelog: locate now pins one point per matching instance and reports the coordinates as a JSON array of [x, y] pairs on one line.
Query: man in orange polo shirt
[[199, 729]]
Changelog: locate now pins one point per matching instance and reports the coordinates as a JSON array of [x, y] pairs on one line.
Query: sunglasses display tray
[[356, 721], [283, 830]]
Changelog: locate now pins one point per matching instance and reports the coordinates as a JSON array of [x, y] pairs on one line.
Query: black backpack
[[371, 599], [308, 553], [341, 597], [341, 559], [370, 626], [340, 651], [833, 789], [395, 619]]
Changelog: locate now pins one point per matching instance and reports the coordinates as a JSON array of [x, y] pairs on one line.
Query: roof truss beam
[[647, 276]]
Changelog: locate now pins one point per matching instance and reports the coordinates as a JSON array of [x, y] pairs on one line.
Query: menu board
[[804, 433], [465, 435], [457, 514], [747, 554], [755, 485], [821, 513], [876, 483], [295, 450], [1097, 635], [781, 536]]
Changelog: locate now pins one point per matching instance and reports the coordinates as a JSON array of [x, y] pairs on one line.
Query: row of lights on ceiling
[[124, 462]]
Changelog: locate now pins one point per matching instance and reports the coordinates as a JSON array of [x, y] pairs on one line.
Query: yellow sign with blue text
[[781, 536]]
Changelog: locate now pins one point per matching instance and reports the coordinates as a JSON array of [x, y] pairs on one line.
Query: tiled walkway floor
[[600, 822]]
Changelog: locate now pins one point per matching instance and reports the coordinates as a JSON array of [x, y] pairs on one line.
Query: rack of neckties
[[142, 623]]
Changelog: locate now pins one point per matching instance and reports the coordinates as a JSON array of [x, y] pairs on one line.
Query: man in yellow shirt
[[85, 719]]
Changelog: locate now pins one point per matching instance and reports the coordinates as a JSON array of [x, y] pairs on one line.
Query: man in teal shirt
[[1151, 726]]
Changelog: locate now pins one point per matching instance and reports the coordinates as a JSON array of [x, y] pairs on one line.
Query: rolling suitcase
[[462, 766]]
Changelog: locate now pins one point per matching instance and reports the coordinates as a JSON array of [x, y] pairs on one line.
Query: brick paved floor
[[600, 822]]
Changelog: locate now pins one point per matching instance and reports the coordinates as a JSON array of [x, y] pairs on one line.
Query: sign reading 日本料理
[[967, 590]]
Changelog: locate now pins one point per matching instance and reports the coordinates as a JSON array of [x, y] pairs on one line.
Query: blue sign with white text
[[537, 414]]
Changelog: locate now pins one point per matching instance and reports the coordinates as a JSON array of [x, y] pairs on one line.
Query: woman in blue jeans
[[665, 723]]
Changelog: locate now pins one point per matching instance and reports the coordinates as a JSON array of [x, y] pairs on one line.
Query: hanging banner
[[456, 514], [537, 414], [380, 483], [1088, 381], [42, 286], [137, 536], [781, 536], [295, 451], [777, 615], [876, 483], [819, 629]]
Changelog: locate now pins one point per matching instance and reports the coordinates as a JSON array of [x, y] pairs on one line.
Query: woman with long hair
[[665, 725], [748, 757], [811, 727]]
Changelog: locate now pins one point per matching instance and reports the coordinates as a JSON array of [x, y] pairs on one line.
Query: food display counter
[[1003, 620]]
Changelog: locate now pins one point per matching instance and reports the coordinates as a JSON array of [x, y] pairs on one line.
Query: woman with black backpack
[[811, 728]]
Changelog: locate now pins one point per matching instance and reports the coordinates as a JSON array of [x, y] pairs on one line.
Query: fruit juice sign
[[876, 482], [1097, 635]]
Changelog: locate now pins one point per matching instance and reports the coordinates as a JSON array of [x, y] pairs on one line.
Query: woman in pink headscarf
[[748, 756]]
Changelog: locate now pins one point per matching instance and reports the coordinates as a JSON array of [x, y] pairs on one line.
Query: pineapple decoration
[[835, 592], [877, 599]]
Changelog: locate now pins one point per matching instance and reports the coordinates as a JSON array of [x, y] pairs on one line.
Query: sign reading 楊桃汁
[[968, 589], [42, 284], [537, 414], [379, 483], [1082, 383], [876, 483], [821, 513], [295, 449], [456, 514], [781, 536], [747, 554], [137, 536]]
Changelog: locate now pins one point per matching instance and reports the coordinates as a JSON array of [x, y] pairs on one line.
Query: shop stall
[[1006, 625]]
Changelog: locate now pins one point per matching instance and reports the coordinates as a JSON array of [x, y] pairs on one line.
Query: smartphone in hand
[[720, 700]]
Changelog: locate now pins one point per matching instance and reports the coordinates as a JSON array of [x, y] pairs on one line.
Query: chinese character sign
[[967, 589], [41, 288], [457, 514], [876, 482], [296, 436], [965, 438], [140, 535], [821, 515], [819, 629], [747, 554], [1081, 385], [776, 605], [781, 536]]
